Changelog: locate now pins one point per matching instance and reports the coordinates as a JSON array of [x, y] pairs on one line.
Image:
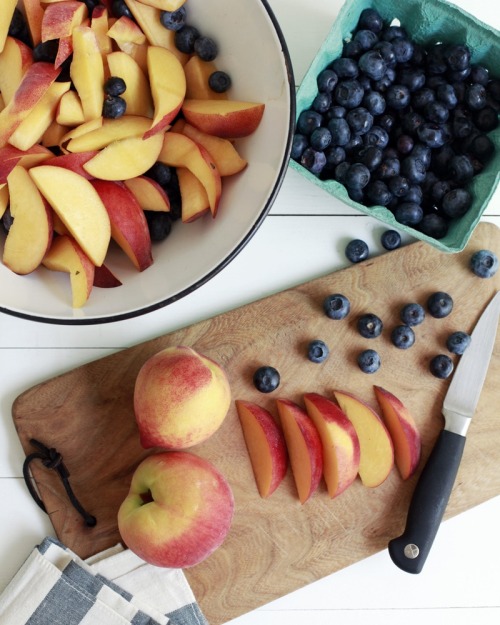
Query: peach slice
[[150, 195], [87, 71], [137, 95], [74, 162], [403, 430], [168, 86], [165, 5], [30, 235], [4, 198], [78, 205], [125, 158], [66, 255], [266, 446], [110, 130], [31, 129], [34, 84], [304, 448], [8, 8], [197, 74], [53, 135], [64, 50], [148, 19], [15, 59], [100, 24], [229, 119], [376, 448], [225, 155], [34, 15], [80, 130], [181, 151], [104, 278], [129, 227], [11, 156], [341, 450], [70, 110], [194, 198], [125, 30], [59, 19]]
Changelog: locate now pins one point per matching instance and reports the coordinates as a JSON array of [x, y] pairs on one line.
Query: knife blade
[[433, 489]]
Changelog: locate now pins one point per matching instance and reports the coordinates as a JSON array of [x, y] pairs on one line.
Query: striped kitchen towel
[[55, 587]]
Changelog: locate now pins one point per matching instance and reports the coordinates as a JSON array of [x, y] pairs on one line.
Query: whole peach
[[180, 398]]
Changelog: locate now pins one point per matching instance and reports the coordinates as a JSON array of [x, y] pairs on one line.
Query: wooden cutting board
[[277, 545]]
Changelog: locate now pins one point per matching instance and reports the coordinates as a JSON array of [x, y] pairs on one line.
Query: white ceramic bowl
[[254, 52]]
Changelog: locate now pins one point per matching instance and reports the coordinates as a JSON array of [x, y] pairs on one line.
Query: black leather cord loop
[[52, 459]]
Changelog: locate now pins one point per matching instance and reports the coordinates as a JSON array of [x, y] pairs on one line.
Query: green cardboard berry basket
[[428, 22]]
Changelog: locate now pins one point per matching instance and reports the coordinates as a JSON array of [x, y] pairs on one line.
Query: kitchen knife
[[432, 492]]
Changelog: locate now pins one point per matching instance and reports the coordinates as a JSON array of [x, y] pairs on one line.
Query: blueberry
[[341, 171], [398, 186], [185, 39], [320, 138], [356, 251], [345, 67], [205, 48], [422, 97], [440, 304], [372, 64], [46, 51], [479, 74], [398, 97], [374, 102], [389, 168], [456, 203], [317, 351], [327, 80], [219, 81], [413, 169], [378, 193], [458, 342], [370, 156], [457, 57], [322, 102], [336, 306], [299, 144], [348, 93], [360, 120], [370, 326], [376, 136], [313, 160], [475, 96], [366, 38], [441, 366], [114, 86], [434, 225], [159, 224], [486, 119], [405, 144], [369, 361], [394, 32], [370, 19], [403, 49], [414, 194], [390, 239], [446, 94], [461, 168], [173, 20], [336, 112], [439, 189], [484, 263], [402, 337], [340, 131], [412, 77], [7, 220], [412, 314], [408, 213], [160, 173], [436, 112], [431, 135], [357, 176], [113, 107], [423, 153], [266, 379], [120, 9], [334, 154], [308, 121]]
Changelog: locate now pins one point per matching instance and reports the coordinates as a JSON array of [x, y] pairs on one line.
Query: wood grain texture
[[276, 546]]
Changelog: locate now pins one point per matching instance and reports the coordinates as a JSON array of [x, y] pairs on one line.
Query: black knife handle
[[430, 498]]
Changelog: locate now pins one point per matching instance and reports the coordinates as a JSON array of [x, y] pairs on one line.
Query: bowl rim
[[142, 310]]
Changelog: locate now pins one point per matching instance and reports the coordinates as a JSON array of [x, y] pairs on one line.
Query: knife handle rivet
[[411, 551]]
